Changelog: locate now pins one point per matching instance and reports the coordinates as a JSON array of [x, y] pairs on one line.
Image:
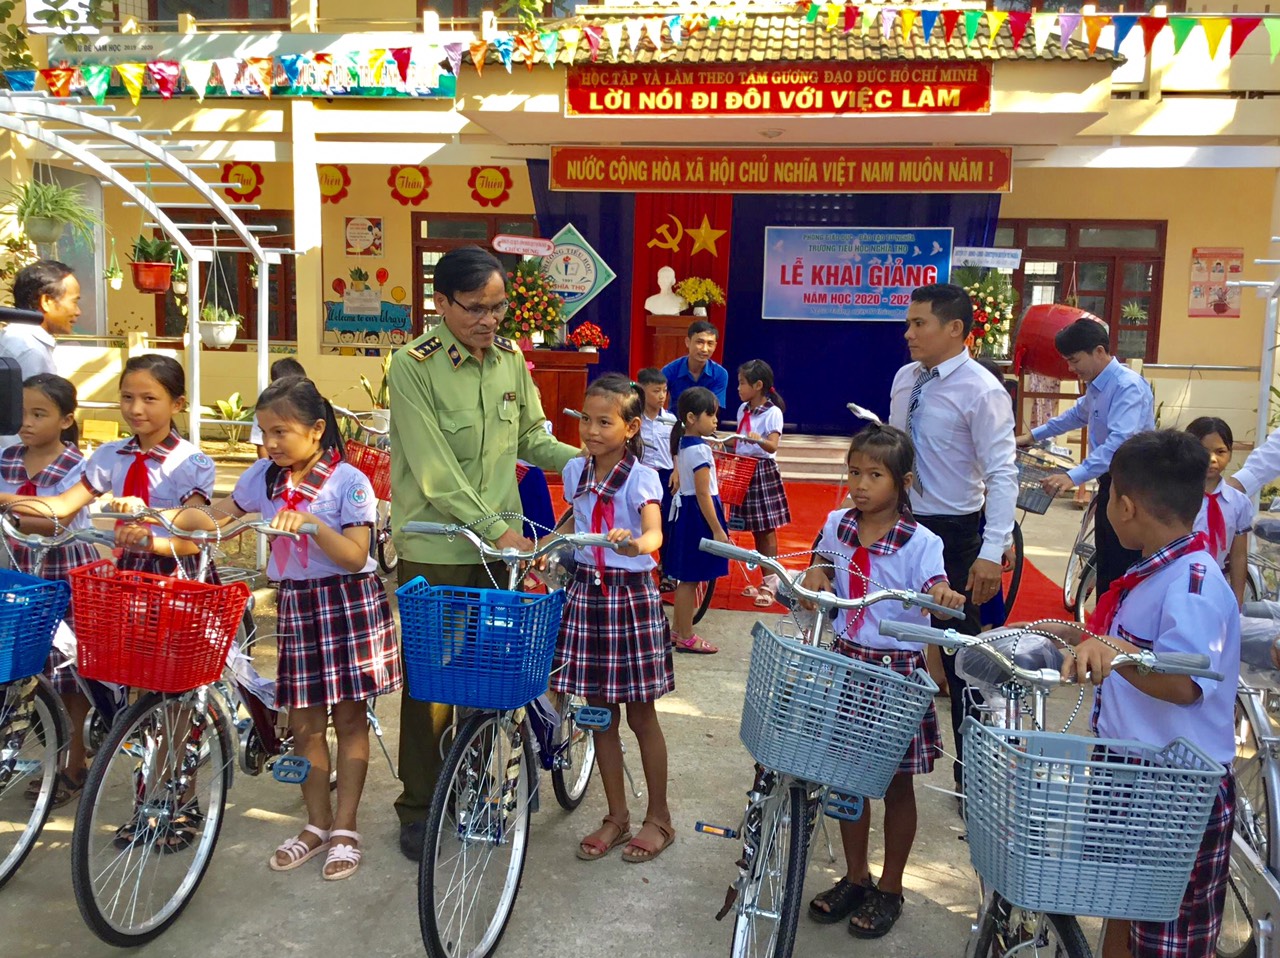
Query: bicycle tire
[[571, 773], [1086, 592], [1247, 942], [1015, 575], [702, 598], [45, 715], [1081, 551], [130, 737], [388, 556], [463, 814], [784, 852], [1072, 941]]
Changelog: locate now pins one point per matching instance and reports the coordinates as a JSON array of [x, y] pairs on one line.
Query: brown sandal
[[644, 852], [592, 849]]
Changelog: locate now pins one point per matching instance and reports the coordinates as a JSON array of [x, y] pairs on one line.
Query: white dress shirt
[[32, 347], [1261, 467], [964, 446]]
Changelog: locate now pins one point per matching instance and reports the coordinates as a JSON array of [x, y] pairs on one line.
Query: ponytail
[[758, 371], [298, 399], [332, 438], [677, 433]]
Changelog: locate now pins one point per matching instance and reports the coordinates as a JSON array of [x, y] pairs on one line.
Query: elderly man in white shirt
[[961, 424], [51, 289]]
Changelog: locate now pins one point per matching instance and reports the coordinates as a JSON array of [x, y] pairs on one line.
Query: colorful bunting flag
[[613, 31], [1067, 24], [949, 20], [833, 15], [453, 53], [1093, 30], [1123, 24], [811, 14], [97, 77], [571, 37], [995, 20], [887, 16], [864, 24], [198, 73], [132, 76], [927, 19], [1241, 27], [58, 79], [1043, 23], [505, 47], [263, 68], [402, 57], [1181, 27], [291, 64], [635, 32], [850, 17], [1018, 26], [653, 27], [1151, 27], [479, 50], [906, 22], [550, 43], [1214, 28], [165, 75], [229, 70], [673, 27], [1273, 33], [526, 48], [20, 81], [375, 59], [322, 72], [593, 35], [972, 19]]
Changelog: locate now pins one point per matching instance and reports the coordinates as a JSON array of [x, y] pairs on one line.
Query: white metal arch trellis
[[76, 131]]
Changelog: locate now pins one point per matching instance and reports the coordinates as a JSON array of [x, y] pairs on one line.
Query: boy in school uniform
[[1175, 599], [698, 368], [655, 432]]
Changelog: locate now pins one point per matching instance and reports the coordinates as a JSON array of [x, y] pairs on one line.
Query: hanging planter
[[152, 264], [178, 279], [218, 326], [43, 210], [113, 274], [42, 229]]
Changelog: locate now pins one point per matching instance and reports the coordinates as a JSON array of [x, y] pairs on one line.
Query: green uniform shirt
[[457, 427]]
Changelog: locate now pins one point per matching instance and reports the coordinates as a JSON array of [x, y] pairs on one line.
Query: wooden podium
[[668, 338], [561, 377]]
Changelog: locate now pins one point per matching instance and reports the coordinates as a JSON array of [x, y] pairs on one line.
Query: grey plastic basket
[[829, 719], [1084, 826], [1032, 469]]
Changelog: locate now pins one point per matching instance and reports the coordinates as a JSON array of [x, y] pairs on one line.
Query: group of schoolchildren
[[648, 480]]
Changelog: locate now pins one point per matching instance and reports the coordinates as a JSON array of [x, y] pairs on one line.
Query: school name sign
[[736, 170], [744, 89]]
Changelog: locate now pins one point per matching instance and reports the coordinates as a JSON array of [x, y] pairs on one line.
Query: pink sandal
[[297, 853], [694, 644]]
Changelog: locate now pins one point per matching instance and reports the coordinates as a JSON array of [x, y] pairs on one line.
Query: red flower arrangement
[[589, 334], [535, 306]]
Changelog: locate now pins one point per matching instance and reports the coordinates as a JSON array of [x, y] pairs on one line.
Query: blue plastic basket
[[480, 648], [829, 719], [30, 610], [1083, 826]]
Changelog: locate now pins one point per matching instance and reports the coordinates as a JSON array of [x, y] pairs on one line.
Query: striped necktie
[[917, 391]]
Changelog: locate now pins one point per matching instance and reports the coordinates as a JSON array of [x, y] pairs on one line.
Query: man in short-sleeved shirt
[[698, 368], [51, 289]]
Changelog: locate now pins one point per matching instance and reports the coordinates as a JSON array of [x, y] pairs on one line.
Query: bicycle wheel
[[1086, 592], [150, 815], [575, 757], [768, 906], [388, 557], [1237, 939], [476, 841], [33, 730], [702, 599], [1012, 579], [1006, 929], [1081, 552], [1254, 782]]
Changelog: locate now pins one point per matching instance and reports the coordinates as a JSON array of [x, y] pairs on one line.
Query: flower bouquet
[[994, 302], [534, 306], [699, 292], [588, 338]]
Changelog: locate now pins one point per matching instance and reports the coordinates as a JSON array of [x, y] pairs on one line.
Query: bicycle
[[370, 452], [488, 652], [824, 730], [1062, 825]]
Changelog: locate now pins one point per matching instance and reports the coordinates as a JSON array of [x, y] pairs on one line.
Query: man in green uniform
[[463, 408]]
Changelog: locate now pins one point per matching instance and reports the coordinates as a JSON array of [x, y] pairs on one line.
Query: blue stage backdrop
[[606, 221], [819, 365]]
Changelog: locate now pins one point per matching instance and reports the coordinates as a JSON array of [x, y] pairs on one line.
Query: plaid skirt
[[1194, 933], [152, 564], [337, 641], [615, 644], [926, 744], [57, 564], [765, 506]]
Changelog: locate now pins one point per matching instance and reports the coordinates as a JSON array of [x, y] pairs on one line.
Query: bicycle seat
[[1267, 529], [1027, 650]]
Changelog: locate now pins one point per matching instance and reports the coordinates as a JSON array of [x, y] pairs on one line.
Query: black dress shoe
[[412, 835]]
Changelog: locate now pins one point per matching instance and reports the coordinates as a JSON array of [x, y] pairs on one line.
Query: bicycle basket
[[1082, 826], [30, 610], [375, 464], [480, 648], [733, 474], [828, 719], [1031, 469], [153, 631]]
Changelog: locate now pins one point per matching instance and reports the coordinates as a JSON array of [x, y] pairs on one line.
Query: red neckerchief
[[602, 513], [291, 499], [859, 571], [1104, 614], [137, 481], [1217, 523], [744, 424]]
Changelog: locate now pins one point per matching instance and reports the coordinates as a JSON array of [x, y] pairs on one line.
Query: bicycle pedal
[[594, 719], [719, 831], [845, 808], [291, 769]]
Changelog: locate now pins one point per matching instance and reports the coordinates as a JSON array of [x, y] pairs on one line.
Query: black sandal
[[880, 910], [842, 899], [65, 789]]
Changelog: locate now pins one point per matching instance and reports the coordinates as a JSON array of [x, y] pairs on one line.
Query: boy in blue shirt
[[1175, 599], [698, 368]]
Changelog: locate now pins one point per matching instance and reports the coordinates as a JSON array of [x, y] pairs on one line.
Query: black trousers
[[1113, 559], [961, 543]]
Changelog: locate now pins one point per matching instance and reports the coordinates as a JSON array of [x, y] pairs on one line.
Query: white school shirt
[[642, 486], [57, 477], [176, 470], [1187, 606], [1262, 466], [31, 346], [1237, 514], [655, 433], [908, 557], [695, 454], [964, 446], [764, 422], [345, 499]]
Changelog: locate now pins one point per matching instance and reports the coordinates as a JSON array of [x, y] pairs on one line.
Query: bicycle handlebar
[[360, 419], [827, 601], [580, 540], [38, 541], [205, 536], [1164, 663]]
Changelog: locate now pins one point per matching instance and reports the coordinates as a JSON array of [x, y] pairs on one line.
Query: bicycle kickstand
[[627, 770], [377, 731]]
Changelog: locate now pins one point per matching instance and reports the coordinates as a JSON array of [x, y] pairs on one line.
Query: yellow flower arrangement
[[698, 291]]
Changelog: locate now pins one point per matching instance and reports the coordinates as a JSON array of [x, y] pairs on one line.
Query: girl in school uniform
[[155, 467], [614, 646], [765, 508], [874, 544], [48, 462], [337, 639], [696, 514], [1226, 515]]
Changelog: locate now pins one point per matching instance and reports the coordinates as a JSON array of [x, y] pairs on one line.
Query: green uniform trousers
[[423, 724]]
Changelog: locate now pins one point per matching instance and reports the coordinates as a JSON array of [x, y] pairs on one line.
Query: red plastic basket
[[734, 473], [153, 631], [374, 463]]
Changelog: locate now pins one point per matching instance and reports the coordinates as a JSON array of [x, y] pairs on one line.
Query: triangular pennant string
[[228, 71], [453, 53], [635, 32], [972, 19], [906, 22], [927, 20], [995, 20], [505, 47], [949, 20], [864, 24], [673, 28], [1067, 24], [479, 50], [58, 79], [1273, 33], [1181, 27], [262, 69], [374, 61], [833, 15], [402, 56], [887, 16], [593, 36], [550, 44], [1018, 27], [291, 64], [1123, 24], [811, 14], [850, 17], [1214, 28], [1241, 27], [97, 77], [1151, 27], [571, 37], [1093, 30], [21, 81], [164, 74], [322, 71], [613, 32], [1042, 24], [653, 27], [132, 75]]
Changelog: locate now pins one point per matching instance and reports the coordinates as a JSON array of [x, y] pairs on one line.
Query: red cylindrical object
[[1033, 348]]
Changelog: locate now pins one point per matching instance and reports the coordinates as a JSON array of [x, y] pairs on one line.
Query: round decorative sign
[[335, 181], [409, 184], [248, 180], [490, 185]]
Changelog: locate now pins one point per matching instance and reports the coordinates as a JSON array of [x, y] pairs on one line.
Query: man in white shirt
[[51, 289], [961, 424]]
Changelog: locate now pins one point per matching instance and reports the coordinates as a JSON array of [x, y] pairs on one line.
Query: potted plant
[[152, 264], [534, 306], [218, 326], [113, 274], [45, 209], [178, 278], [359, 280], [699, 293], [589, 338], [253, 273]]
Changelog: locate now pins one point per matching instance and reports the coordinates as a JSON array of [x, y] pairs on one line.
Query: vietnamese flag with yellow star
[[690, 232]]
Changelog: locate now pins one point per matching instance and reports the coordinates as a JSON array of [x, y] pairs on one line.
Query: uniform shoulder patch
[[358, 495], [503, 343], [201, 460], [425, 349]]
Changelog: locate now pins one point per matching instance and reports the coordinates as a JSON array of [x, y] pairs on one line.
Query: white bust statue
[[665, 302]]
